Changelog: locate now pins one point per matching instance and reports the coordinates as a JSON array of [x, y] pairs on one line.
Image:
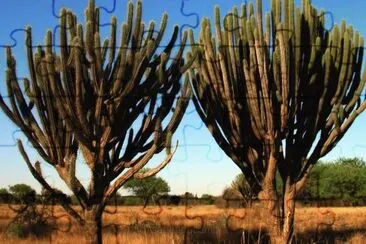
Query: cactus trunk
[[93, 226], [280, 212]]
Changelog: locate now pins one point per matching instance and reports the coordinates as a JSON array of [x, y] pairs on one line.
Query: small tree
[[349, 177], [344, 178], [188, 195], [208, 199], [148, 188], [233, 197], [277, 93], [23, 193], [113, 104], [241, 185]]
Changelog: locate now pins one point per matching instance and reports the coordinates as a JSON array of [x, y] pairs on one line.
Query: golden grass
[[199, 224]]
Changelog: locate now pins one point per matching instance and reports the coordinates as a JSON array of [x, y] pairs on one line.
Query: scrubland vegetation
[[198, 224]]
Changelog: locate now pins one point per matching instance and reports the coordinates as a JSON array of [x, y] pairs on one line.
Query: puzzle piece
[[14, 28], [188, 15], [328, 17], [12, 35], [241, 220], [16, 51], [104, 23], [210, 146], [43, 213], [9, 139], [107, 9], [153, 218]]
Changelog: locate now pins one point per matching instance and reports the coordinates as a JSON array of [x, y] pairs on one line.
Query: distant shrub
[[207, 199], [23, 194], [220, 202], [170, 200], [132, 200]]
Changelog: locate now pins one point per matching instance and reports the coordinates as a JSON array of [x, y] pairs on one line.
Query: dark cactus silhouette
[[102, 102], [277, 93]]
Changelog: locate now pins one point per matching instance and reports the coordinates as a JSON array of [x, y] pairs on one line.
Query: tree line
[[343, 179]]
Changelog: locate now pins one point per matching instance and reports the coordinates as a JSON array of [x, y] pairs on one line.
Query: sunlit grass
[[199, 224]]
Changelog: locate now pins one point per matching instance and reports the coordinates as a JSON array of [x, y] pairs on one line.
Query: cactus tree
[[106, 101], [277, 93]]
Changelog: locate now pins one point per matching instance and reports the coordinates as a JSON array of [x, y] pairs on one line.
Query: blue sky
[[199, 165]]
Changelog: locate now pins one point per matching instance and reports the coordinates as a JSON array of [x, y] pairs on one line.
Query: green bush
[[132, 201]]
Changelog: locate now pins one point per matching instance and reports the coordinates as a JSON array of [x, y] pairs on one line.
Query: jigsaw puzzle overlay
[[197, 152]]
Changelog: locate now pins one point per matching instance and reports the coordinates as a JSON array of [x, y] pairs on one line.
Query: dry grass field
[[201, 224]]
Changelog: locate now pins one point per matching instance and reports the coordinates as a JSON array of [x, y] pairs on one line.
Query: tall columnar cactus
[[106, 100], [277, 93]]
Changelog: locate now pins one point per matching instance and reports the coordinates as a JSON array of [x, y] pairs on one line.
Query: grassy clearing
[[201, 224]]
